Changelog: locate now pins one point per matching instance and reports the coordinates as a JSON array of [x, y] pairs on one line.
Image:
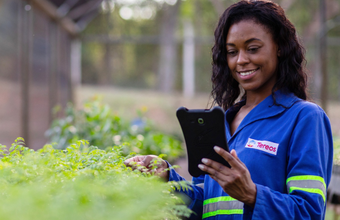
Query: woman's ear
[[279, 53]]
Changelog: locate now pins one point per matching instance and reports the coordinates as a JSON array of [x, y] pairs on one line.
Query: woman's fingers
[[231, 157], [131, 162], [141, 160], [234, 154], [213, 167], [235, 181], [207, 168], [149, 164]]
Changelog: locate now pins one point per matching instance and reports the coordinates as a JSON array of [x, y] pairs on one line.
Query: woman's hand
[[148, 162], [235, 181]]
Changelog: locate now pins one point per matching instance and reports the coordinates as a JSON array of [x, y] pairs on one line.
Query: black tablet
[[203, 129]]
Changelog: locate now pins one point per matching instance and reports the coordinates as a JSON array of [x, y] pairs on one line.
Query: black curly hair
[[291, 62]]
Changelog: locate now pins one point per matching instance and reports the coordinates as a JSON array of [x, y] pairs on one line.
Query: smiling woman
[[284, 145], [252, 57]]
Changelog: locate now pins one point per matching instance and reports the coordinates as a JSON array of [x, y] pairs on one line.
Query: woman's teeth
[[247, 73]]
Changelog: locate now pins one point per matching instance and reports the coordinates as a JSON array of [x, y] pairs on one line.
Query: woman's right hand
[[147, 161]]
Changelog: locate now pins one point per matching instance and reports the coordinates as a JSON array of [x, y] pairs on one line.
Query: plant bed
[[102, 127], [81, 182], [334, 186]]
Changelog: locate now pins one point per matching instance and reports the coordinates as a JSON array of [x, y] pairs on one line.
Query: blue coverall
[[288, 150]]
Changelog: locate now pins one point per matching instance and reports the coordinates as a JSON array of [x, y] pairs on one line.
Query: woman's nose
[[242, 58]]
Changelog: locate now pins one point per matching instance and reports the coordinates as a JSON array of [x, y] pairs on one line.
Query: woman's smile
[[247, 74]]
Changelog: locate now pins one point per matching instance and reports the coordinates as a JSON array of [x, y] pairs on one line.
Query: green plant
[[80, 182], [97, 123]]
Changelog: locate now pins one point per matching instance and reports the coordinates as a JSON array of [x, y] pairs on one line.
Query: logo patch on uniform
[[266, 146]]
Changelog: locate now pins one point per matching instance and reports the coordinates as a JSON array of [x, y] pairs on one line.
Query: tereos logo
[[251, 143]]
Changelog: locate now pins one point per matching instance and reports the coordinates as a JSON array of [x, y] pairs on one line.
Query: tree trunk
[[286, 4], [188, 59], [168, 49], [323, 55], [104, 77]]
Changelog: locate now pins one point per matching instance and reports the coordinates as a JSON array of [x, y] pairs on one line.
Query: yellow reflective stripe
[[223, 205], [307, 183], [310, 190], [222, 212], [307, 177], [219, 199]]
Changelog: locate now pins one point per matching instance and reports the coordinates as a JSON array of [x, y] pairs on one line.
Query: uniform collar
[[284, 98], [265, 109]]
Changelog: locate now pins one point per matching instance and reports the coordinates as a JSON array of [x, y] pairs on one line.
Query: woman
[[281, 145]]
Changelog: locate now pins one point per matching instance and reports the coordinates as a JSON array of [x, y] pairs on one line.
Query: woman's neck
[[253, 99]]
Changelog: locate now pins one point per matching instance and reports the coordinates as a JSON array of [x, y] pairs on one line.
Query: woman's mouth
[[247, 73]]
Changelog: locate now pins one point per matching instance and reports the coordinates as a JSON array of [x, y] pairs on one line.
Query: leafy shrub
[[97, 123], [80, 182]]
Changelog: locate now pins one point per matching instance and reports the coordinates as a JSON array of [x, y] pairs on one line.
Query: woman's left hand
[[235, 181]]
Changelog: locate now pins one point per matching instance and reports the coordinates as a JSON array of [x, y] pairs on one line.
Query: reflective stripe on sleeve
[[201, 185], [307, 183], [224, 205]]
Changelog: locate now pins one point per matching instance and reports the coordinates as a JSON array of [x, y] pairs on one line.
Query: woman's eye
[[231, 52], [253, 49]]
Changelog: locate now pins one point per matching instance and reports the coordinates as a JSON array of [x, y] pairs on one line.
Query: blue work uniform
[[288, 150]]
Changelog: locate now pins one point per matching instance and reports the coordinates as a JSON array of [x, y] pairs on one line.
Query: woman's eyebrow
[[252, 39], [247, 41]]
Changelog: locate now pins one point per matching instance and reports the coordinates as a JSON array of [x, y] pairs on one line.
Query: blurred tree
[[323, 54], [286, 4], [188, 71], [220, 6], [125, 46], [105, 76], [168, 48]]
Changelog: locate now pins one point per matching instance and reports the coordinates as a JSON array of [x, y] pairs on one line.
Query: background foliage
[[112, 48], [80, 182], [97, 123]]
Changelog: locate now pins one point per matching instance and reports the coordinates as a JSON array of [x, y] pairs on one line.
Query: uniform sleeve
[[309, 168], [193, 197]]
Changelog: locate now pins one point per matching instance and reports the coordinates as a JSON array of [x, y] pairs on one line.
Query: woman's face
[[252, 56]]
